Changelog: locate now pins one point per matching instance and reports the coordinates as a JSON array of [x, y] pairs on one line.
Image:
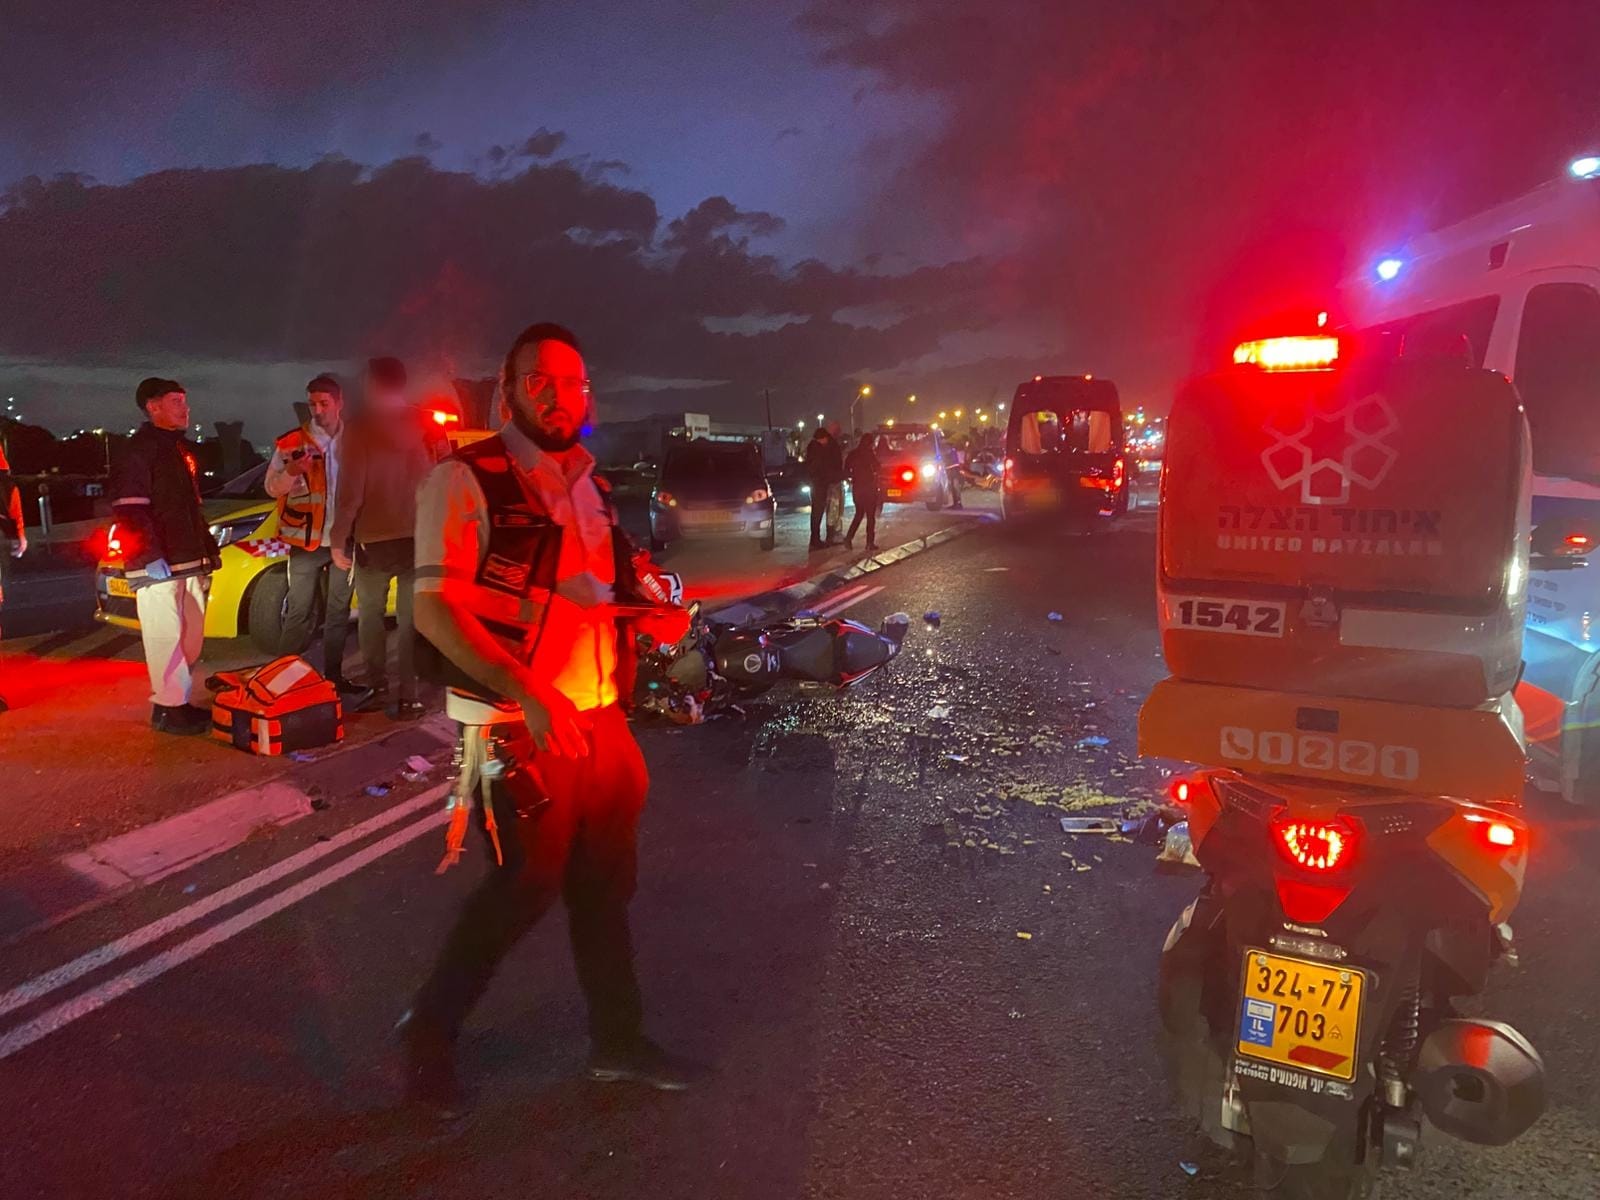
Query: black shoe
[[645, 1062], [430, 1072], [374, 700], [817, 545], [409, 710], [179, 719], [872, 547]]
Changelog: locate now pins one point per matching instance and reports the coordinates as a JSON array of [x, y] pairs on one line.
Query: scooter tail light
[[1318, 846], [1309, 903]]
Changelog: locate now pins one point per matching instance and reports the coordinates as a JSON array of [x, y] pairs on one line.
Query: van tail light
[[1578, 543], [1299, 353], [1118, 474], [907, 475]]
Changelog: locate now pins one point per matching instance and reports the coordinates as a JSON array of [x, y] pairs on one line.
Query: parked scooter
[[715, 665], [1341, 590]]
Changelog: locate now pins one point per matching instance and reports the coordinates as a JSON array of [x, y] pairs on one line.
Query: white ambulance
[[1520, 285]]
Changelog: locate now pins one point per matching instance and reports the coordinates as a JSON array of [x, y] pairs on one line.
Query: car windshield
[[252, 485]]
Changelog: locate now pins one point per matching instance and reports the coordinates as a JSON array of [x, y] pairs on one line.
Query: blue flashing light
[[1587, 167], [1389, 268]]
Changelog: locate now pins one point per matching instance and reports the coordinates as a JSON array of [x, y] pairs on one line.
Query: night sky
[[934, 196]]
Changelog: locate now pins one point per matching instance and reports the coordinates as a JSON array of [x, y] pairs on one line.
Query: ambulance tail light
[[1299, 352]]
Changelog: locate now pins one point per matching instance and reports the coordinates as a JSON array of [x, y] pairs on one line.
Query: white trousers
[[172, 622]]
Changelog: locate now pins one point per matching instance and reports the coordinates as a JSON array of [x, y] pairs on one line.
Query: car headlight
[[929, 470], [805, 489], [228, 532]]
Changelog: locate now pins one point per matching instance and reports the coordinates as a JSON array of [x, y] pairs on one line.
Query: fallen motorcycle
[[715, 665]]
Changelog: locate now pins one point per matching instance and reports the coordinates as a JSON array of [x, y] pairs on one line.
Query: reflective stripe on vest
[[302, 515]]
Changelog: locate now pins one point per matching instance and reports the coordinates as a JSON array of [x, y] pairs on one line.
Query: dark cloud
[[788, 131], [1170, 164], [336, 260], [717, 222], [426, 143], [543, 143]]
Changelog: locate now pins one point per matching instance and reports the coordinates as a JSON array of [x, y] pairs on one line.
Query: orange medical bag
[[281, 706]]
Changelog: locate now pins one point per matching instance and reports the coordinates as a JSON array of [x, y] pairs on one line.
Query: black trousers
[[567, 828], [819, 507], [868, 507], [377, 564]]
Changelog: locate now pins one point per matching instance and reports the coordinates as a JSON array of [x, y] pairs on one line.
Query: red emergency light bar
[[1299, 352]]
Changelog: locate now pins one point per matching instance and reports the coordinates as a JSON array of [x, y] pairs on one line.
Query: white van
[[1521, 284]]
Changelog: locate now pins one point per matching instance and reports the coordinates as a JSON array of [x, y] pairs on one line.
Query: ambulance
[[1519, 284]]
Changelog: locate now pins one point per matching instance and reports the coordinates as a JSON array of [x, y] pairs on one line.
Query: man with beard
[[520, 568]]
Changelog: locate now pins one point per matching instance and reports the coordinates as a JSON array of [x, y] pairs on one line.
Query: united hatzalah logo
[[1332, 450]]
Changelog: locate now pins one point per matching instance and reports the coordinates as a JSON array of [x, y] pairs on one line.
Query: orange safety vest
[[302, 515]]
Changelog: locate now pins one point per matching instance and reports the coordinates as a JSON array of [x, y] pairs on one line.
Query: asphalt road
[[831, 896]]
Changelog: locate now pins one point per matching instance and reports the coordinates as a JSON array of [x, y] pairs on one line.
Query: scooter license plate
[[1301, 1014]]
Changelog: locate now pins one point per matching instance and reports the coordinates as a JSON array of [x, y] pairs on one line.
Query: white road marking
[[43, 985], [97, 997], [836, 607]]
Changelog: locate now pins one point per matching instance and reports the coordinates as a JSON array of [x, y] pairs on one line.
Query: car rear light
[[1580, 542], [1118, 473], [1318, 846], [1298, 353], [1010, 465], [757, 496], [666, 500], [441, 417], [1500, 834], [907, 475], [114, 548]]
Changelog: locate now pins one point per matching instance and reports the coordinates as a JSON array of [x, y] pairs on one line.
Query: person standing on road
[[824, 464], [384, 457], [866, 485], [13, 532], [169, 552], [836, 492], [520, 563], [303, 476]]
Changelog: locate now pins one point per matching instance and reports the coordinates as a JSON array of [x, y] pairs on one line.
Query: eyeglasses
[[561, 383]]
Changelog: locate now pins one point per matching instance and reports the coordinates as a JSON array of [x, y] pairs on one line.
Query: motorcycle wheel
[[1317, 1181]]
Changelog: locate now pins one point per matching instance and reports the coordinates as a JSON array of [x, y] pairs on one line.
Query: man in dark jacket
[[825, 469], [386, 454], [169, 552]]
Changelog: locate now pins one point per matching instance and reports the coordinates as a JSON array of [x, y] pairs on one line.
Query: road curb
[[779, 603], [49, 892]]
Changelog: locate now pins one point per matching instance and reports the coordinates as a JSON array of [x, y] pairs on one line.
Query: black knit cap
[[387, 372], [154, 388], [326, 384]]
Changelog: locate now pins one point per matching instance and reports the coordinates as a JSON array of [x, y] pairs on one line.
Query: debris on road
[[1090, 825], [377, 789], [1178, 849], [1093, 742], [1190, 1169], [956, 758], [1024, 936], [932, 618], [1054, 616], [940, 712]]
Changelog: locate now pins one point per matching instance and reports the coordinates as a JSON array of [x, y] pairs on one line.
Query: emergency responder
[[304, 477], [519, 565], [384, 456], [169, 551], [13, 533]]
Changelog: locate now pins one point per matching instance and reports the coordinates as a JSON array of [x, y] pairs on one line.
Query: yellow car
[[249, 590]]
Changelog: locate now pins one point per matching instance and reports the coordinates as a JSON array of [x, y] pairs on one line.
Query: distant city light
[[1389, 268], [1586, 167], [819, 418]]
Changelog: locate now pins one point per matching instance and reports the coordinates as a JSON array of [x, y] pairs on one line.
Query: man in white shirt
[[304, 477]]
